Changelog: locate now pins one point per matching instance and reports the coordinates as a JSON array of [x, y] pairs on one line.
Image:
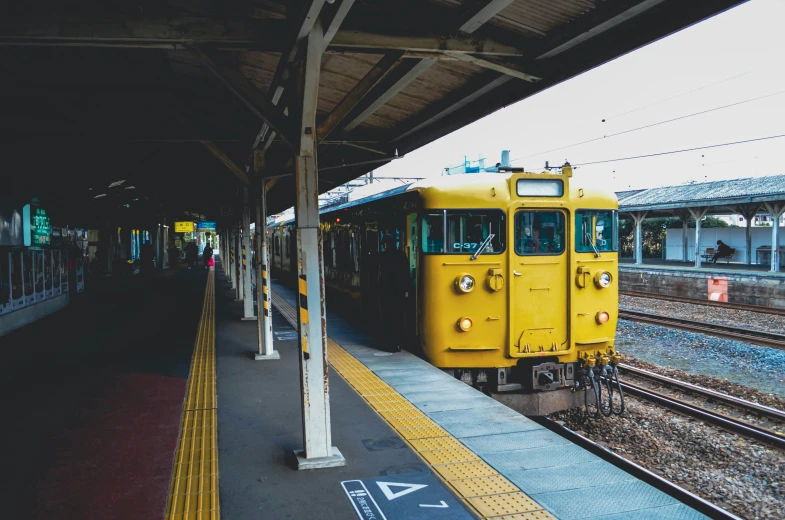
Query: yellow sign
[[183, 227]]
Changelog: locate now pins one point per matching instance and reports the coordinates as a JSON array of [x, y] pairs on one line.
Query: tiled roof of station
[[723, 194]]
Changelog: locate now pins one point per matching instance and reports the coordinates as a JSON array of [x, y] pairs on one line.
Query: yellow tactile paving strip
[[193, 492], [481, 487]]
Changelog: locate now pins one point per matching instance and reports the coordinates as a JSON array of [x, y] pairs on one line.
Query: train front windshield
[[465, 231], [596, 229]]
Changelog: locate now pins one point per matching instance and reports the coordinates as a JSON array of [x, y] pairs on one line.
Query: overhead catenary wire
[[630, 130], [676, 96], [682, 150]]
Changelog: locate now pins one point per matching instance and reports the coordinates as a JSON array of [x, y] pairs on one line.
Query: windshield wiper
[[483, 246], [596, 253]]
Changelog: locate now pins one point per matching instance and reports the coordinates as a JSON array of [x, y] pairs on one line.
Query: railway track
[[706, 303], [726, 422], [639, 472], [755, 337]]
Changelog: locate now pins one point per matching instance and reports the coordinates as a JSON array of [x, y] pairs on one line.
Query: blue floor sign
[[409, 496]]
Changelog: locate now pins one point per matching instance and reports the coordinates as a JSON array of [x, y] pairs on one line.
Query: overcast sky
[[733, 57]]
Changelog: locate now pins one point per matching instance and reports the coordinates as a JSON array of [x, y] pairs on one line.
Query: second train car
[[507, 280]]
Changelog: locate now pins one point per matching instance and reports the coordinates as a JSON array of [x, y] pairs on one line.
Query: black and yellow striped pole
[[263, 293], [246, 260], [238, 270]]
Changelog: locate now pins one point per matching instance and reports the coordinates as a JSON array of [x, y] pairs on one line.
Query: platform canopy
[[719, 197], [745, 197], [173, 96]]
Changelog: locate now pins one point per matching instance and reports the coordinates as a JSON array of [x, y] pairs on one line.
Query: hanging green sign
[[37, 229]]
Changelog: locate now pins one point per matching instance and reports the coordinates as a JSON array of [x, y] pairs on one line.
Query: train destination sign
[[183, 227], [37, 229]]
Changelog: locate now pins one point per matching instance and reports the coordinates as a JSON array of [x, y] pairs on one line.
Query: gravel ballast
[[735, 473], [758, 367], [696, 312]]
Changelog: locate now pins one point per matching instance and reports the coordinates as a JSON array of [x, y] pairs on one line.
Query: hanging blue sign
[[205, 224]]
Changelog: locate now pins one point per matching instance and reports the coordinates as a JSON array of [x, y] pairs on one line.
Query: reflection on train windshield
[[539, 233], [466, 230], [596, 229]]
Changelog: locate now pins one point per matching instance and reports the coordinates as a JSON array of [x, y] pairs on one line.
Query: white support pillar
[[748, 211], [637, 248], [318, 451], [247, 260], [684, 216], [238, 263], [776, 209], [685, 241], [263, 289], [698, 214]]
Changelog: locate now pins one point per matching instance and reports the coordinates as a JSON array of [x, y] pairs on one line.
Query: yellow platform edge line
[[479, 486], [193, 489]]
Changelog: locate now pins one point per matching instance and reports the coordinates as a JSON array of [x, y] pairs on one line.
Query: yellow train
[[508, 280]]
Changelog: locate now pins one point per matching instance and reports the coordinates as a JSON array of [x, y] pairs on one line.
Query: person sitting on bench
[[723, 250]]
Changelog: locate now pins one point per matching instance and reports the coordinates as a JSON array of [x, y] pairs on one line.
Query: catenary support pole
[[698, 214], [263, 289], [776, 209], [318, 451], [247, 260]]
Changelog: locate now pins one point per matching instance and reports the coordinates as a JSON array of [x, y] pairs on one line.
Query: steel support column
[[698, 214], [238, 263], [230, 266], [318, 451], [637, 250], [264, 318], [776, 209], [247, 260]]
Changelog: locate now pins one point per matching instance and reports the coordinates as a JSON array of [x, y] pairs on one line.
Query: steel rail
[[728, 423], [756, 337], [708, 303], [682, 495], [684, 386]]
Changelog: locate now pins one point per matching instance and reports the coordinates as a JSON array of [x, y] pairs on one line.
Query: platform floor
[[91, 400], [531, 468], [105, 398], [707, 266]]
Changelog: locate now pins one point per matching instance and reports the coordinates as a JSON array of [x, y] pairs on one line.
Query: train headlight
[[602, 317], [465, 324], [603, 279], [465, 283]]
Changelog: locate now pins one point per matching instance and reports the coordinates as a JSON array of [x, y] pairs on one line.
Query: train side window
[[355, 251], [5, 282], [466, 230], [596, 229], [539, 233], [433, 233]]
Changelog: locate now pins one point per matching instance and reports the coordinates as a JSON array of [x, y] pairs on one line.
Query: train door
[[413, 254], [538, 261]]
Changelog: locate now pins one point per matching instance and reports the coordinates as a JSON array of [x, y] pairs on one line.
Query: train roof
[[466, 186]]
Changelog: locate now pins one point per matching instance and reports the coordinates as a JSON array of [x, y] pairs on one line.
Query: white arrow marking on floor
[[392, 495], [441, 505]]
